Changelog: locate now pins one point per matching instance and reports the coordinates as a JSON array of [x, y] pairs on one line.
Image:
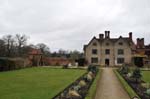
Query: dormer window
[[120, 43], [94, 44]]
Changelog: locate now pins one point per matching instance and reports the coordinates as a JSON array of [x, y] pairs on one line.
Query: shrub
[[89, 77], [65, 66], [137, 75], [124, 70], [73, 94], [76, 88], [129, 75], [82, 83], [92, 68], [145, 85], [148, 92], [90, 73]]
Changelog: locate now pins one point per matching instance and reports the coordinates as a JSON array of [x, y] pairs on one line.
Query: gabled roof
[[94, 38], [147, 46], [113, 40], [35, 52]]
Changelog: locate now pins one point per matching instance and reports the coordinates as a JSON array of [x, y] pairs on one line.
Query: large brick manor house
[[115, 51]]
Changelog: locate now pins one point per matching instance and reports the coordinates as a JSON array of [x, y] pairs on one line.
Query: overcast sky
[[69, 24]]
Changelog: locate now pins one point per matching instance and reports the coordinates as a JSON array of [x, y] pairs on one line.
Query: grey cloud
[[69, 24]]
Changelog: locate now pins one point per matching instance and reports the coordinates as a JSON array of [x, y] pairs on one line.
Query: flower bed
[[126, 86], [79, 88], [92, 91], [135, 83]]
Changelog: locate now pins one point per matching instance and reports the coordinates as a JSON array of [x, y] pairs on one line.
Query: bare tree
[[2, 48], [44, 48], [21, 42], [75, 54], [10, 44]]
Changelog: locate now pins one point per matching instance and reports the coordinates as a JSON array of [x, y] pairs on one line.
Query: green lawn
[[36, 83], [146, 76]]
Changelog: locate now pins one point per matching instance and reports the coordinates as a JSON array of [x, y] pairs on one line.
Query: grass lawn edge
[[126, 86], [20, 74], [92, 91]]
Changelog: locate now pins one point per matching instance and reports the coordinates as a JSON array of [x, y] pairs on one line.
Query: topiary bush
[[124, 70], [148, 92], [82, 83], [137, 75], [92, 68]]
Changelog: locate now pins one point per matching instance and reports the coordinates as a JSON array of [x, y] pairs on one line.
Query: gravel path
[[109, 86]]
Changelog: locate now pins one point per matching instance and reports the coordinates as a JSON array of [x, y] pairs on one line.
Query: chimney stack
[[130, 35], [107, 34], [101, 36], [140, 42]]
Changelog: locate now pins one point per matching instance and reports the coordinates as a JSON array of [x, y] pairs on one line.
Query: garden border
[[96, 80], [73, 83], [126, 86]]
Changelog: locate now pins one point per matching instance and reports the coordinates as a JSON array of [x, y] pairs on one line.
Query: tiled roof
[[147, 46], [35, 52]]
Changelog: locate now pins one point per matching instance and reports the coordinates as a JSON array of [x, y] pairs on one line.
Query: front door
[[107, 62]]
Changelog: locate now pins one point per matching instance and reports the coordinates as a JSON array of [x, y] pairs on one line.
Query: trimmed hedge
[[7, 64]]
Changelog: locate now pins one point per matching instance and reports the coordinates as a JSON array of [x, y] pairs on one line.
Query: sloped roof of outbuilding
[[35, 52]]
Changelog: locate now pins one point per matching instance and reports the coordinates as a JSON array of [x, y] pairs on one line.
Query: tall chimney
[[101, 36], [130, 35], [140, 42], [108, 34], [105, 34]]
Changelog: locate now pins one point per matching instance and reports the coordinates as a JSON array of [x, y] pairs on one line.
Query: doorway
[[107, 62]]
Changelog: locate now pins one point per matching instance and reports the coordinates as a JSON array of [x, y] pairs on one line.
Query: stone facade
[[106, 51]]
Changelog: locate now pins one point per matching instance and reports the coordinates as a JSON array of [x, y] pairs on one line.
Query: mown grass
[[92, 90], [127, 87], [146, 76], [36, 83]]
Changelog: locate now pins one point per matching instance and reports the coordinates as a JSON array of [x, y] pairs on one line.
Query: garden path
[[109, 86]]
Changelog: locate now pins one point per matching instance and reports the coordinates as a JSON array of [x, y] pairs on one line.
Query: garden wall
[[7, 64]]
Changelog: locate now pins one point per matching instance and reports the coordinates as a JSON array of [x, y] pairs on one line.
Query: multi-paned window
[[94, 60], [94, 51], [120, 52], [120, 60], [107, 51]]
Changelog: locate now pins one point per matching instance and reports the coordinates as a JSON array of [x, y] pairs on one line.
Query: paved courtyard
[[109, 86]]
